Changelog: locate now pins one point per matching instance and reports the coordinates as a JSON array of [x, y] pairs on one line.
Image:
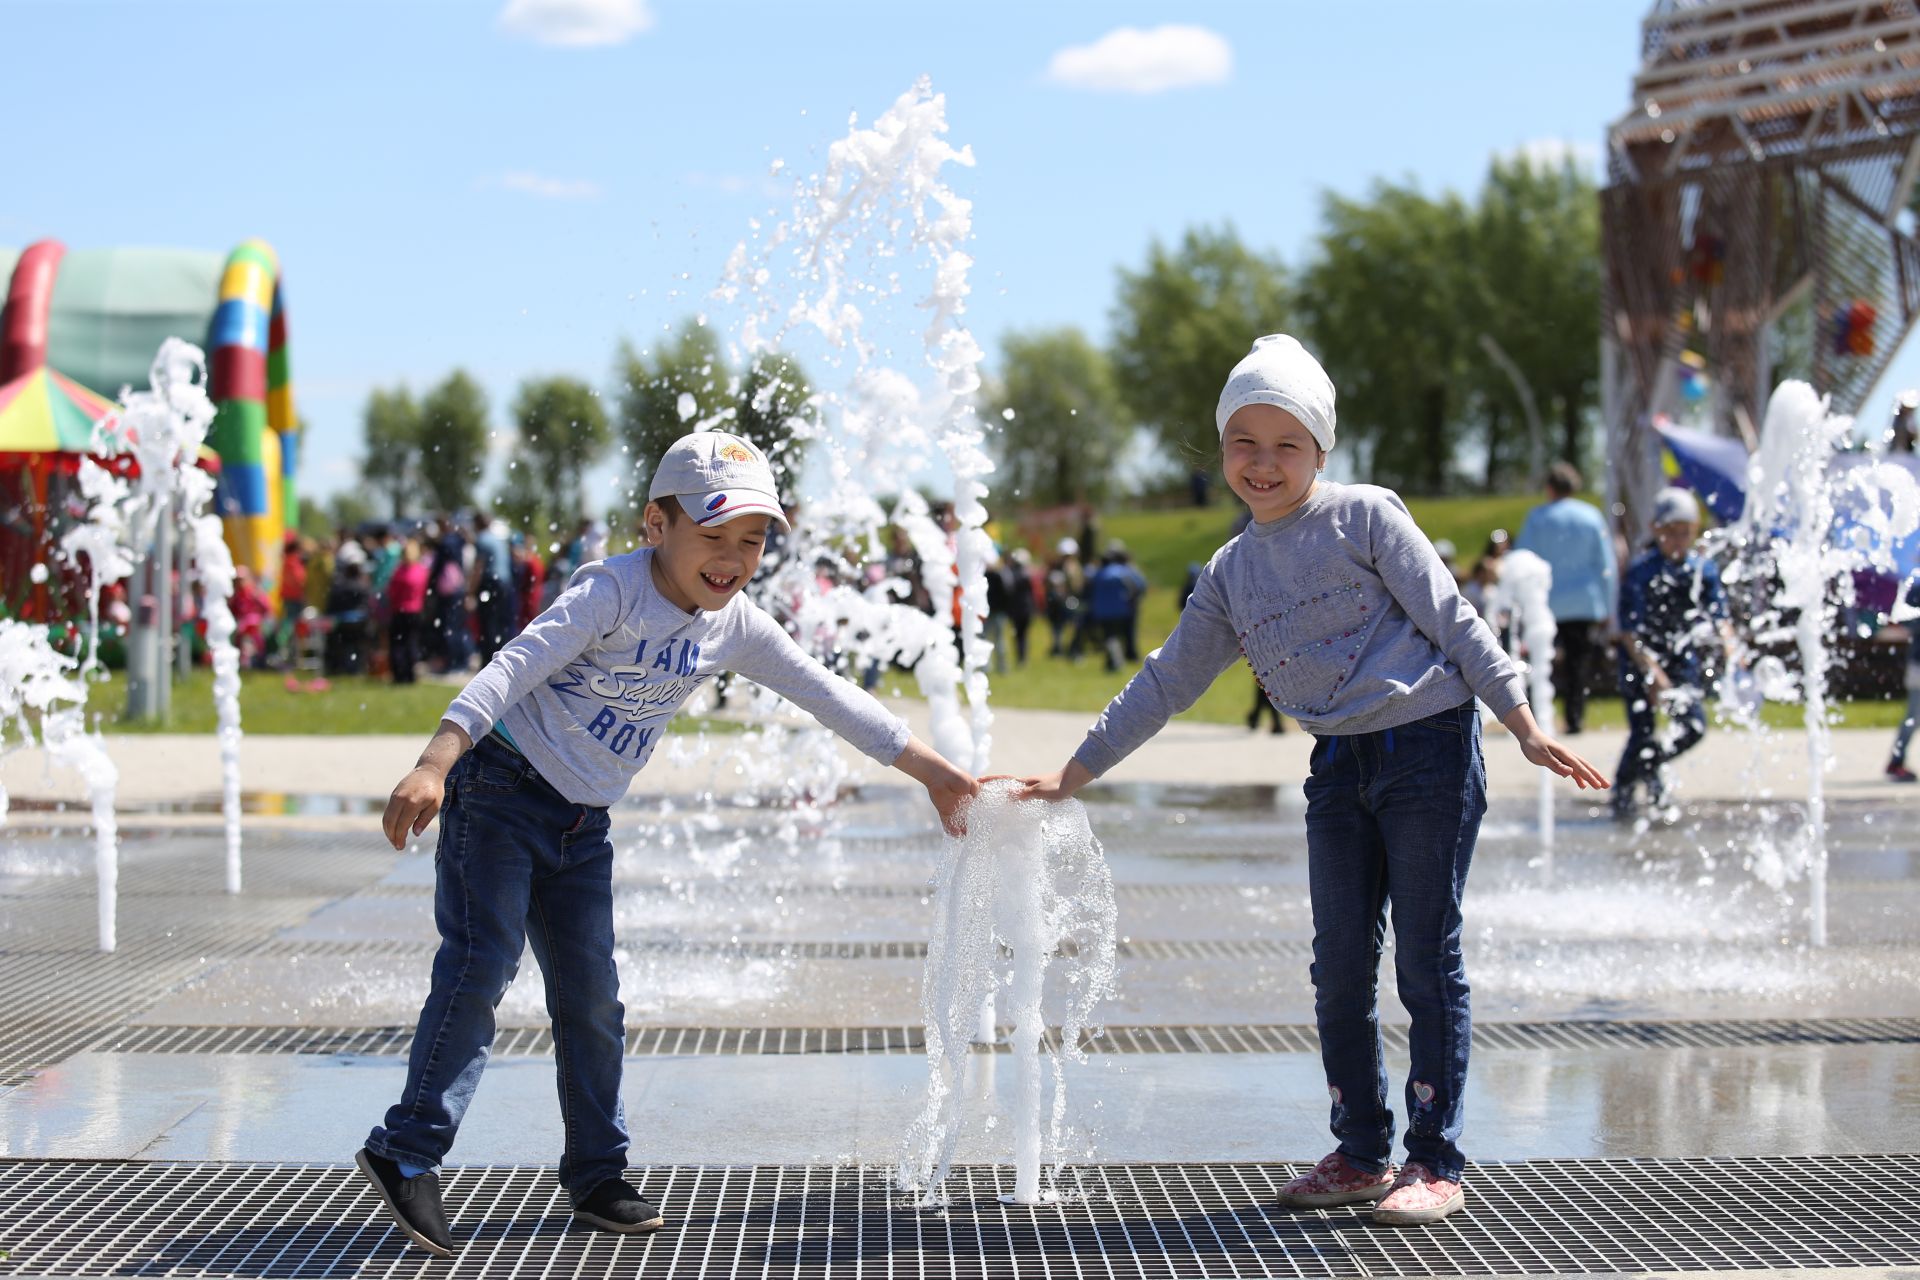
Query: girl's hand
[[1548, 754], [1058, 785], [1539, 747]]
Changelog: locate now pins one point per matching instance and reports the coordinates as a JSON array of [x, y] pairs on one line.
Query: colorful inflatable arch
[[97, 316], [255, 431]]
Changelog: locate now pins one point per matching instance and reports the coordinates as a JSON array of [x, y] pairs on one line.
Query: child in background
[[1673, 613], [528, 758], [1897, 770], [1354, 628]]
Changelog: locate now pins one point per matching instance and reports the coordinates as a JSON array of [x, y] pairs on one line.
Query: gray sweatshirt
[[588, 688], [1345, 613]]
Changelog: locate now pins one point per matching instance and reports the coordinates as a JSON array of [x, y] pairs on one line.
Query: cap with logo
[[717, 477]]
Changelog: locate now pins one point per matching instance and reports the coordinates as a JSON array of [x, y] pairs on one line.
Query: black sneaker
[[615, 1206], [413, 1202]]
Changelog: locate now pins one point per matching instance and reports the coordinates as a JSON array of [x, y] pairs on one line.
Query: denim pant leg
[[1346, 877], [1903, 736], [1688, 717], [1641, 757], [483, 876], [1428, 800], [571, 929]]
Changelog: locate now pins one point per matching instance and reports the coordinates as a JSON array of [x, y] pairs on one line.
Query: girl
[[1353, 627]]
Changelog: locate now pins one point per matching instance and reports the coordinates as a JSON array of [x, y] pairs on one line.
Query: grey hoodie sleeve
[[586, 611], [1411, 570], [1203, 644], [767, 655]]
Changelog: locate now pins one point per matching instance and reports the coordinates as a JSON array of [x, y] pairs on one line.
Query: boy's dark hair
[[671, 505], [1563, 479]]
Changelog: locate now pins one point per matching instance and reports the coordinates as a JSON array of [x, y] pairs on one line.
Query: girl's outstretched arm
[[1539, 747], [1058, 785]]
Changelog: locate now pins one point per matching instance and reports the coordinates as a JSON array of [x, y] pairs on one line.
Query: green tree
[[349, 510], [684, 384], [390, 427], [563, 431], [1060, 423], [1182, 322], [776, 402], [665, 393], [453, 440], [1535, 271], [1384, 298]]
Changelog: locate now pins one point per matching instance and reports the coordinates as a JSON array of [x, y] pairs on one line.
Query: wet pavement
[[799, 923]]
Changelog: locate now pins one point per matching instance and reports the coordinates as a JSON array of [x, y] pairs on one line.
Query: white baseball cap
[[1674, 505], [718, 477]]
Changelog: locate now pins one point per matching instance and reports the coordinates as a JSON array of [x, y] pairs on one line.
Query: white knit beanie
[[1278, 371]]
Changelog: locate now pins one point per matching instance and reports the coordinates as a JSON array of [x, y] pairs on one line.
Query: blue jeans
[[1646, 751], [517, 863], [1392, 818]]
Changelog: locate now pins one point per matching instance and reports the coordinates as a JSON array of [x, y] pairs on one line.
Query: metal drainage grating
[[1138, 1220], [802, 949], [1228, 1038]]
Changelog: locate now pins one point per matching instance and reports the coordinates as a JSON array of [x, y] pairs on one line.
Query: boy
[[529, 756], [1672, 611]]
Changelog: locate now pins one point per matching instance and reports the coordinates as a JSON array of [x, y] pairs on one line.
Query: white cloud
[[576, 24], [1132, 60], [535, 184], [1551, 153]]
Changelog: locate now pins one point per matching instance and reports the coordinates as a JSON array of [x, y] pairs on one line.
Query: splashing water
[[881, 199], [164, 427], [1800, 486], [1031, 878], [34, 677], [1526, 583]]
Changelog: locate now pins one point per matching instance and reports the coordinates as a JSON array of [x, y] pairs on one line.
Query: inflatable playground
[[77, 328]]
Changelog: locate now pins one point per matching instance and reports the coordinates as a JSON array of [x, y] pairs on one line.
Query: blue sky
[[446, 185]]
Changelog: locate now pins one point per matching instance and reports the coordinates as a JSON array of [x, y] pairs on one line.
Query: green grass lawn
[[1163, 543], [350, 704]]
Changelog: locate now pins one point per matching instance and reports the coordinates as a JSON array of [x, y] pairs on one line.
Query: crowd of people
[[440, 595]]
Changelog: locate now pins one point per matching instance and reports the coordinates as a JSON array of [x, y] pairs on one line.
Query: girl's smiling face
[[1271, 460]]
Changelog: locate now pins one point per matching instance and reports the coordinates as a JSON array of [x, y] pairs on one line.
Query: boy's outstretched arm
[[416, 798], [948, 785], [1539, 747]]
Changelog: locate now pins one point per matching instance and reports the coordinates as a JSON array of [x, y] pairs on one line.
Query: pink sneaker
[[1336, 1180], [1419, 1196]]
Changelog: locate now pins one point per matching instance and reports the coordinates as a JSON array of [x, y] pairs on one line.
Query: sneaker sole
[[393, 1210], [1420, 1217], [621, 1228], [1332, 1199]]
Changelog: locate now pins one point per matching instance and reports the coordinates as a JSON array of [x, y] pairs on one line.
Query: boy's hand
[[948, 785], [1058, 785], [413, 804], [417, 798], [950, 799]]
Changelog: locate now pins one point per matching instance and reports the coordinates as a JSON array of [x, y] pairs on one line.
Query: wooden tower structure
[[1766, 164]]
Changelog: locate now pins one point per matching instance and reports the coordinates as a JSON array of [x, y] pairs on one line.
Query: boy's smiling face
[[1271, 460], [702, 567]]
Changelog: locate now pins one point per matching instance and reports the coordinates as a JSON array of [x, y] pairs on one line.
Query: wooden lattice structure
[[1767, 161]]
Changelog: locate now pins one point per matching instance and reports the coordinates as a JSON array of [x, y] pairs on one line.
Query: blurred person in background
[[1572, 537]]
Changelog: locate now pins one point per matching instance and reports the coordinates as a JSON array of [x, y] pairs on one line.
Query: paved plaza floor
[[1666, 1076]]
